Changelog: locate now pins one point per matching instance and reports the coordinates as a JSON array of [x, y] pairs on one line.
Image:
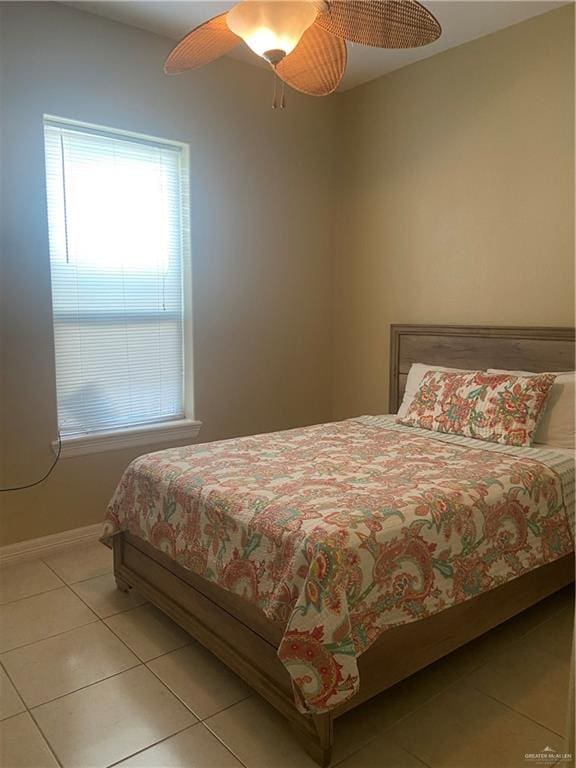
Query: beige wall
[[261, 228], [451, 183], [457, 198]]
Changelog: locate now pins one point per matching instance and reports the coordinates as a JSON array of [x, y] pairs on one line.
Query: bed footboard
[[227, 626]]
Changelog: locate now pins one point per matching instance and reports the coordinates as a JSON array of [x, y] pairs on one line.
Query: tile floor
[[92, 677]]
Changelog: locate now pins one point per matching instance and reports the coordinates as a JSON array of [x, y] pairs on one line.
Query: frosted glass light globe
[[272, 27]]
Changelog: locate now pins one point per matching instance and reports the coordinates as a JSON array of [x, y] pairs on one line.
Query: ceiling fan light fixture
[[272, 28], [305, 40]]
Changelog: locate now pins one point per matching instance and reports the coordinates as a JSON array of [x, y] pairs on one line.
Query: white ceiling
[[461, 21]]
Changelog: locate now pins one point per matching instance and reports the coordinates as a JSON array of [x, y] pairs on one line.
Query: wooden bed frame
[[246, 641]]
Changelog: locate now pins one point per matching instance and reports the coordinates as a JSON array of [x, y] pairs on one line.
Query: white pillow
[[556, 427], [415, 375]]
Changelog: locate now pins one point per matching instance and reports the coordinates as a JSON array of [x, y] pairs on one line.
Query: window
[[117, 220]]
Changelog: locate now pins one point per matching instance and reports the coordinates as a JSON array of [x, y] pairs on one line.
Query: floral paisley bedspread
[[341, 531]]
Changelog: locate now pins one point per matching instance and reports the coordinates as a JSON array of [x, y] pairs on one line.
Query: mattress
[[341, 531]]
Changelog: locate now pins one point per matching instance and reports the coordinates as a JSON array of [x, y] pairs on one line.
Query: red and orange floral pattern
[[341, 531], [500, 408]]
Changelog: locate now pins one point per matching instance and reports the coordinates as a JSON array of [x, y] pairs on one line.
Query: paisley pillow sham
[[557, 427], [415, 376], [500, 408]]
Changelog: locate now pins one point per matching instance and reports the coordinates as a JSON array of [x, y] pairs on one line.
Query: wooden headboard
[[476, 347]]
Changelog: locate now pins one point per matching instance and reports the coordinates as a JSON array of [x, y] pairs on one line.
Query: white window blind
[[116, 213]]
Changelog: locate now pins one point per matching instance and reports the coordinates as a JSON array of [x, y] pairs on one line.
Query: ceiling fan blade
[[317, 63], [381, 23], [201, 46]]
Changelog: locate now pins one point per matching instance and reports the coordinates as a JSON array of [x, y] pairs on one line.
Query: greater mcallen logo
[[547, 755]]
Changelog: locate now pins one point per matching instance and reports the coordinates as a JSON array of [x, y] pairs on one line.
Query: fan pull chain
[[274, 99], [282, 93]]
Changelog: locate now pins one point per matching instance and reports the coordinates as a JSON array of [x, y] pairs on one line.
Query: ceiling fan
[[304, 41]]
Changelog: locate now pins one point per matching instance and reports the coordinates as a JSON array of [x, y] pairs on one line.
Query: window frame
[[156, 432]]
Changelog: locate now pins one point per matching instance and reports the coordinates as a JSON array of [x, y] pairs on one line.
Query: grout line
[[83, 687], [45, 737], [9, 676], [109, 616], [218, 738], [518, 712], [221, 741], [501, 646], [80, 626], [199, 724], [14, 716], [469, 672], [89, 578], [142, 661], [200, 719], [396, 743], [103, 619], [354, 752], [40, 731], [552, 617], [463, 678], [28, 712], [138, 663], [57, 634], [116, 613], [110, 569], [100, 619], [423, 704], [34, 594], [172, 650], [251, 695], [49, 637], [145, 664], [90, 685], [154, 744], [68, 583], [165, 684], [412, 754]]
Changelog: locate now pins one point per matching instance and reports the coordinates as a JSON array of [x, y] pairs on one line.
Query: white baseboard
[[49, 545]]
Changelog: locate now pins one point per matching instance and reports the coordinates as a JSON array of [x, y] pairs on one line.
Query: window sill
[[118, 439]]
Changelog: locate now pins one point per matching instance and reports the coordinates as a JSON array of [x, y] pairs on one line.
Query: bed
[[321, 564]]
